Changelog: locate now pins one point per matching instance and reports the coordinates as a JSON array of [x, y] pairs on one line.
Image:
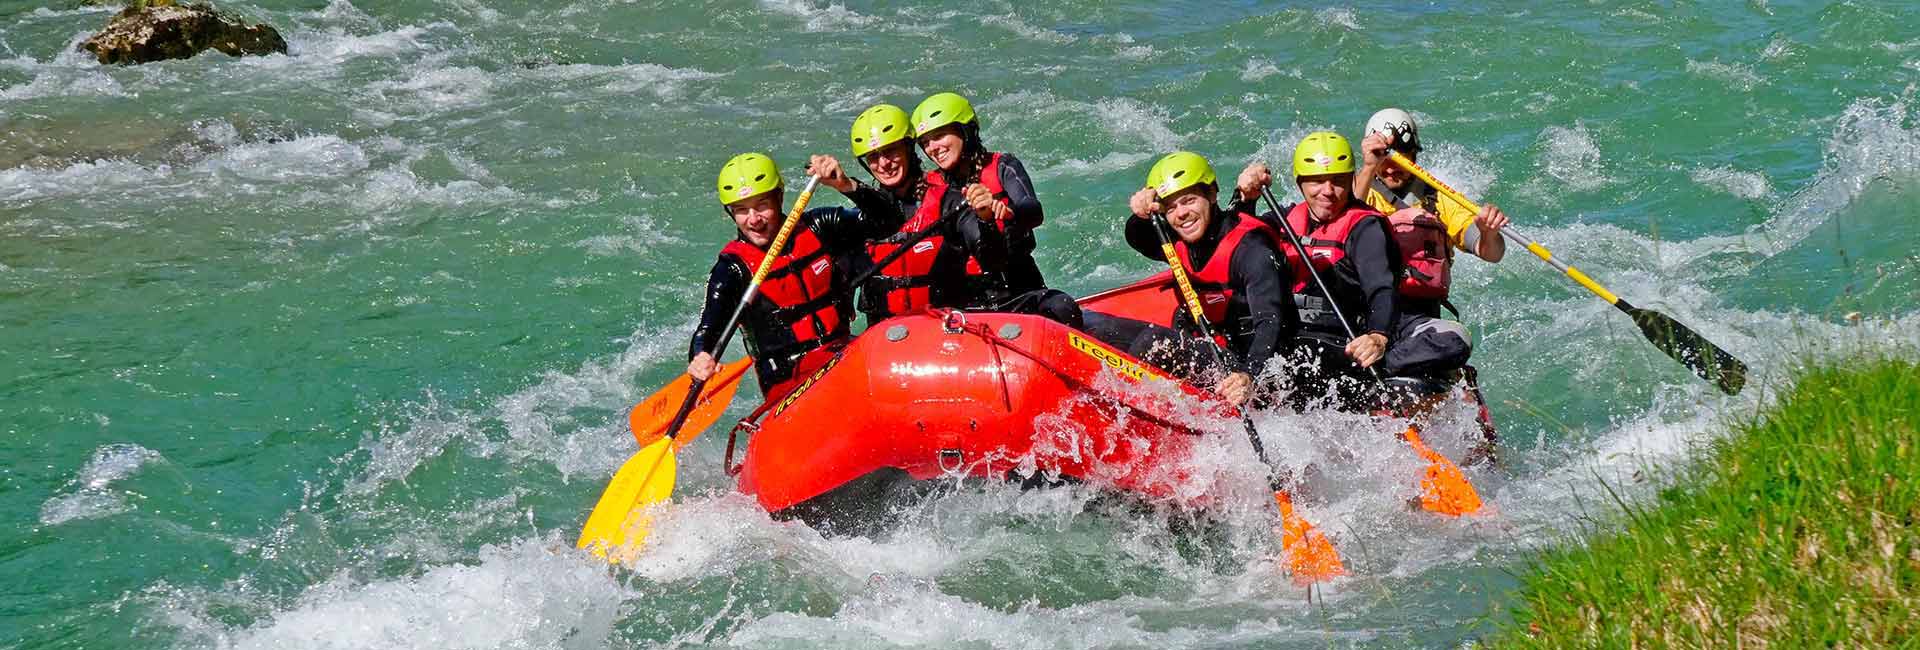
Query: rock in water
[[143, 34]]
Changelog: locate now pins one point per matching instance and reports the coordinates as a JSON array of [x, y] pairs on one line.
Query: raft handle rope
[[986, 334]]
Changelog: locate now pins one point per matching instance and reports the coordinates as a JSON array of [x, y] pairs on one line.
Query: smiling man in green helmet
[[801, 312], [1234, 262]]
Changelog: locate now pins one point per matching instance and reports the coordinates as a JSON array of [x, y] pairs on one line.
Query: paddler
[[995, 186], [801, 312], [1349, 244], [1234, 263], [1426, 229], [936, 267], [1422, 219]]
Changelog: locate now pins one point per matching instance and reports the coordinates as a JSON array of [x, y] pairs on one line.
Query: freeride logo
[[821, 265], [923, 247], [1111, 359]]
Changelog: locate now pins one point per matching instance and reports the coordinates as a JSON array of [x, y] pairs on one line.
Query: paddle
[[649, 419], [1688, 347], [1443, 488], [647, 478], [1309, 555]]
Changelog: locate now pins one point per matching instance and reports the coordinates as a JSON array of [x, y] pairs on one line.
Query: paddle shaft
[[1707, 360], [1198, 315], [746, 298], [1509, 231], [1307, 261], [894, 256]]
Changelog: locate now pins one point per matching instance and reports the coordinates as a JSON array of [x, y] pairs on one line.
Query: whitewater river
[[333, 349]]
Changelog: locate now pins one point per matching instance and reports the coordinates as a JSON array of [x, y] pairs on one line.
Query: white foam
[[1106, 164], [1338, 17], [1570, 157], [831, 17], [90, 494], [1025, 30], [396, 186], [441, 89], [1258, 69], [644, 235], [523, 594], [27, 184], [300, 159], [62, 82], [331, 48], [1737, 75], [1743, 184], [658, 80]]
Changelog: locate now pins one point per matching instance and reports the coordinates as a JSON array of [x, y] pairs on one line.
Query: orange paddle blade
[[1310, 557], [649, 418], [1443, 487]]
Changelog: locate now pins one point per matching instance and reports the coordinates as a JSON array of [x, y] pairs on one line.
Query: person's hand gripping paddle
[[1309, 556], [647, 478]]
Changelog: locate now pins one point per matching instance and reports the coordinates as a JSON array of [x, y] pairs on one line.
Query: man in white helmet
[[1393, 191], [1426, 228]]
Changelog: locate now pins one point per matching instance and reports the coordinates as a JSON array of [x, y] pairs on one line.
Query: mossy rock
[[158, 30]]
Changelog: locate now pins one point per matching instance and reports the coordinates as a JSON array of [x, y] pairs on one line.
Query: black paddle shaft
[[1165, 231], [1307, 261]]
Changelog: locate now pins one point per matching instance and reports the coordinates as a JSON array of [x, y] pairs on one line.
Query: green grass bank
[[1797, 531]]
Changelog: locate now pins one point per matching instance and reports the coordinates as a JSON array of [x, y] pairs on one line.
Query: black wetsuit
[[843, 232], [1260, 319]]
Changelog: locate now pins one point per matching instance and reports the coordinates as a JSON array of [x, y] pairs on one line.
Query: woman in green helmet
[[944, 252], [801, 311], [1235, 265], [995, 186]]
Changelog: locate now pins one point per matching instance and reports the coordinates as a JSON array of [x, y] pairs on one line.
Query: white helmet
[[1397, 125]]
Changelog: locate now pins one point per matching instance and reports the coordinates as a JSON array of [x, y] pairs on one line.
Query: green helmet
[[940, 110], [1178, 171], [746, 176], [1322, 152], [878, 127]]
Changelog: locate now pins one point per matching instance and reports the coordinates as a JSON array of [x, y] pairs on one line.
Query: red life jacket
[[1326, 241], [1426, 254], [1210, 280], [798, 306], [989, 178], [907, 283]]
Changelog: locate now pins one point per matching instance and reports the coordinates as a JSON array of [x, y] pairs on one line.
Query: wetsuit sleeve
[[1257, 273], [1020, 197], [986, 243], [725, 285], [846, 230], [1141, 237], [1368, 247], [881, 213]]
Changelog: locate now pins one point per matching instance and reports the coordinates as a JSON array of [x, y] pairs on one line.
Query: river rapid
[[333, 349]]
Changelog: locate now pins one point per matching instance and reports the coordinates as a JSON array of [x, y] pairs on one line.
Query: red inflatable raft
[[982, 395]]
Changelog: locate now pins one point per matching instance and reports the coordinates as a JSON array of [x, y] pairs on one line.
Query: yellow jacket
[[1458, 218]]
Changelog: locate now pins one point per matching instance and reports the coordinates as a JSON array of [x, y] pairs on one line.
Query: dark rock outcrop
[[143, 34]]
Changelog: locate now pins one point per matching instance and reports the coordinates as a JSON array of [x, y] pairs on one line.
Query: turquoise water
[[334, 349]]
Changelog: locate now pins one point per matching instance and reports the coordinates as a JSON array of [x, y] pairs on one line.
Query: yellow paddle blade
[[1443, 487], [644, 480], [1309, 556], [649, 418]]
